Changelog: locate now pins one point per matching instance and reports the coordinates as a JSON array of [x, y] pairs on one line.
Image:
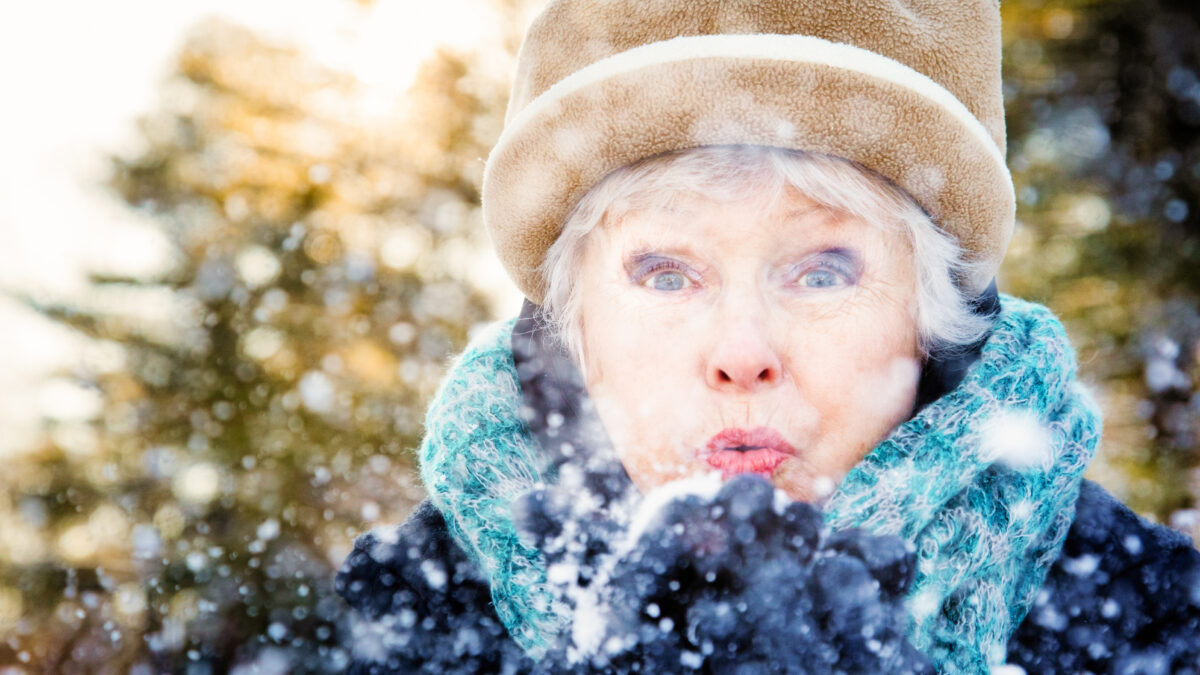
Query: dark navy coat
[[1124, 597]]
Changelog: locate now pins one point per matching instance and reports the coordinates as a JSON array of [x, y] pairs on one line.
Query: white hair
[[944, 316]]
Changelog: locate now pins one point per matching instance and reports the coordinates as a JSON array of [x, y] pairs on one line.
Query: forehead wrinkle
[[766, 207]]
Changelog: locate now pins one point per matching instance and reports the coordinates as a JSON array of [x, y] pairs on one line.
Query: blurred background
[[240, 240]]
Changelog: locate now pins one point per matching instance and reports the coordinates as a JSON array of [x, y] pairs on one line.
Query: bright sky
[[75, 75]]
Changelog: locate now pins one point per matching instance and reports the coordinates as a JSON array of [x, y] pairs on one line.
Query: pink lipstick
[[735, 451]]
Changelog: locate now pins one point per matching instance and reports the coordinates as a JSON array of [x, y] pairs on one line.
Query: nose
[[742, 360]]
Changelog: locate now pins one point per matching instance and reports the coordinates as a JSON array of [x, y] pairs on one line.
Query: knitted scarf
[[982, 482]]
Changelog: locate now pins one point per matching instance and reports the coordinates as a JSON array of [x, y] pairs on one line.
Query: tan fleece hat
[[908, 88]]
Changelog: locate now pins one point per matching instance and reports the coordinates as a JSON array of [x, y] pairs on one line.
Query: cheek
[[643, 386], [615, 351], [640, 388], [885, 395], [861, 380], [628, 345], [850, 348], [645, 419]]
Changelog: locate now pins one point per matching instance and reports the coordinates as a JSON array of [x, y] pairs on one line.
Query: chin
[[801, 486]]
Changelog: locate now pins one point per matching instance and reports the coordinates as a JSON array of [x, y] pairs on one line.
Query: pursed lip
[[735, 451]]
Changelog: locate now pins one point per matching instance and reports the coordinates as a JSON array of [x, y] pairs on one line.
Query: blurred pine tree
[[1104, 141], [327, 265]]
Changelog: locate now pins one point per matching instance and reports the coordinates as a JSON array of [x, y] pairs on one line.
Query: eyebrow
[[849, 254], [642, 252], [796, 214]]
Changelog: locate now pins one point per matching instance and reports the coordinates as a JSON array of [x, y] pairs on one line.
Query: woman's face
[[739, 337]]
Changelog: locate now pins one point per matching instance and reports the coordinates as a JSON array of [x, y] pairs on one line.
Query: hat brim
[[789, 91]]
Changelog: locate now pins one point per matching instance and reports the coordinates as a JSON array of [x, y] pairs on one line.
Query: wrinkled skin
[[748, 313]]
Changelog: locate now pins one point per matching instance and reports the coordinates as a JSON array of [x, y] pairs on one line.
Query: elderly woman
[[758, 237]]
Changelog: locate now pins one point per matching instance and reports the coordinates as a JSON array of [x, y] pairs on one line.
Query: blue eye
[[831, 269], [668, 281], [821, 279], [660, 273]]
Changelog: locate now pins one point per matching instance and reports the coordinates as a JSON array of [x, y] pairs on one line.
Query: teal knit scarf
[[983, 482]]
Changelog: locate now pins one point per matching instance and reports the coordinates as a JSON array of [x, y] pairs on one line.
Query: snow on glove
[[744, 582], [422, 607]]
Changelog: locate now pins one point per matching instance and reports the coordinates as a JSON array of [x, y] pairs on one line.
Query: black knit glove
[[422, 606], [736, 584]]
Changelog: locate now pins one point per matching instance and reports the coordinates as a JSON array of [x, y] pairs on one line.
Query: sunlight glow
[[85, 72]]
